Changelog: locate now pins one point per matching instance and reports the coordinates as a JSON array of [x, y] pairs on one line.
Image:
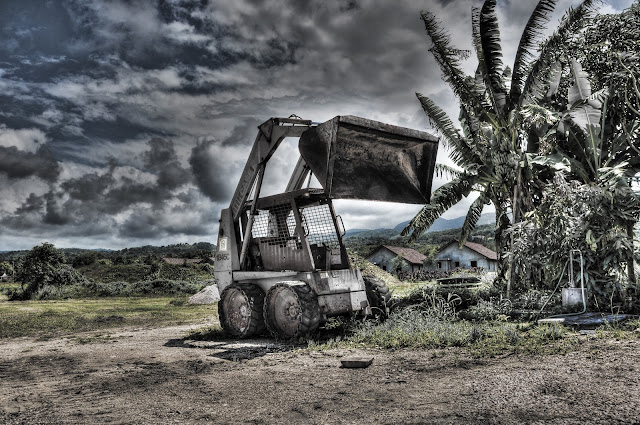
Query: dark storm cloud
[[32, 204], [90, 187], [206, 167], [147, 223], [88, 203], [94, 195], [162, 160], [17, 164]]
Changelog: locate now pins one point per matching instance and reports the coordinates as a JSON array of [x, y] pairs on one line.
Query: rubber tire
[[378, 295], [254, 299], [308, 318]]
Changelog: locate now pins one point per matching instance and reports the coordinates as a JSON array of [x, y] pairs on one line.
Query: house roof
[[409, 254], [480, 249]]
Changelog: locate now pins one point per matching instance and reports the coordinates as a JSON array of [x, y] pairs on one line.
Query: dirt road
[[154, 376]]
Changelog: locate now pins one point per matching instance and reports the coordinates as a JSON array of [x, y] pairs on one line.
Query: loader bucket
[[357, 158]]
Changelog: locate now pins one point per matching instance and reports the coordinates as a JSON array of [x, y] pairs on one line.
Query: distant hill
[[353, 232], [439, 225], [182, 250]]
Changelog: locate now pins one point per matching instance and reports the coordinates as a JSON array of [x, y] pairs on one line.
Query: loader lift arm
[[270, 134]]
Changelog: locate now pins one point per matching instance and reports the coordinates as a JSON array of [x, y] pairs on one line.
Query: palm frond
[[555, 75], [442, 199], [492, 54], [448, 59], [528, 43], [443, 170], [461, 154], [534, 87], [481, 84], [471, 128], [473, 215]]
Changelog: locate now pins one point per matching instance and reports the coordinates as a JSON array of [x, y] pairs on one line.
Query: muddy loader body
[[281, 264]]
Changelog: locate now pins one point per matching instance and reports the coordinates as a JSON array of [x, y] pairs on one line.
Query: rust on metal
[[357, 158]]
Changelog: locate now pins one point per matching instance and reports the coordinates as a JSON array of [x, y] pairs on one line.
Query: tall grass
[[413, 328]]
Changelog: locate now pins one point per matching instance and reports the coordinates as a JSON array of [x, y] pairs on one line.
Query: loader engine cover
[[357, 158]]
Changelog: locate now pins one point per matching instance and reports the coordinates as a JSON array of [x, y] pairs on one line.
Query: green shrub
[[485, 311], [91, 288], [161, 287], [413, 328], [465, 296]]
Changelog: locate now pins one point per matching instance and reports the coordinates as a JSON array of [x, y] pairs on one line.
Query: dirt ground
[[154, 376]]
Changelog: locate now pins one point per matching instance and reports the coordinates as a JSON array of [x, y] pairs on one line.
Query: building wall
[[463, 258], [383, 257]]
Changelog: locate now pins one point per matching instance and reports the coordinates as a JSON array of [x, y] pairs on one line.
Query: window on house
[[474, 264], [439, 265], [384, 268], [457, 264]]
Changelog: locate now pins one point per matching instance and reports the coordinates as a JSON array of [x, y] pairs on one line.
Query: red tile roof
[[480, 249], [409, 254]]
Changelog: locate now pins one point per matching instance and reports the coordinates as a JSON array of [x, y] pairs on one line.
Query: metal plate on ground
[[588, 320], [356, 361]]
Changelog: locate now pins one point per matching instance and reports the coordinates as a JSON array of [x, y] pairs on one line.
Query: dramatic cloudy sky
[[127, 122]]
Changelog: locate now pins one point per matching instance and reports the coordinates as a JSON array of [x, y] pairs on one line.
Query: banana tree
[[582, 143], [489, 149]]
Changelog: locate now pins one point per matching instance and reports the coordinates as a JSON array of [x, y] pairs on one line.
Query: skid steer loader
[[281, 263]]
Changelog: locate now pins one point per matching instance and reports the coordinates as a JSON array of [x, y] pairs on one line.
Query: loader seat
[[321, 256]]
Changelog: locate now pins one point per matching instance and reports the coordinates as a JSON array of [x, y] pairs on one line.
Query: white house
[[4, 277], [470, 255], [384, 254]]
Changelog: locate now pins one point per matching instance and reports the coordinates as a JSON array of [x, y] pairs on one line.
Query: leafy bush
[[144, 287], [42, 270], [488, 310], [90, 288], [587, 217], [162, 287], [466, 296], [419, 329], [413, 328]]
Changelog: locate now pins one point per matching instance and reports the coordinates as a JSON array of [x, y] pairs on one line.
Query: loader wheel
[[378, 295], [291, 311], [240, 310]]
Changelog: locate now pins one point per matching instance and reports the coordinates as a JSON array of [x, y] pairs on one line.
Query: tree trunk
[[502, 223], [630, 263], [516, 218]]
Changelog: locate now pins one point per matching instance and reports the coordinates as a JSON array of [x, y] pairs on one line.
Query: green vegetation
[[551, 142], [91, 291], [105, 271], [415, 329], [50, 318], [46, 273]]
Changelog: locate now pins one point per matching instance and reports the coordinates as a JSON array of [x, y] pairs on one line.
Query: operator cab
[[295, 230]]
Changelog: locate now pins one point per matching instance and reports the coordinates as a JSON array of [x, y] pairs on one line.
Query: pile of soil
[[208, 295]]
